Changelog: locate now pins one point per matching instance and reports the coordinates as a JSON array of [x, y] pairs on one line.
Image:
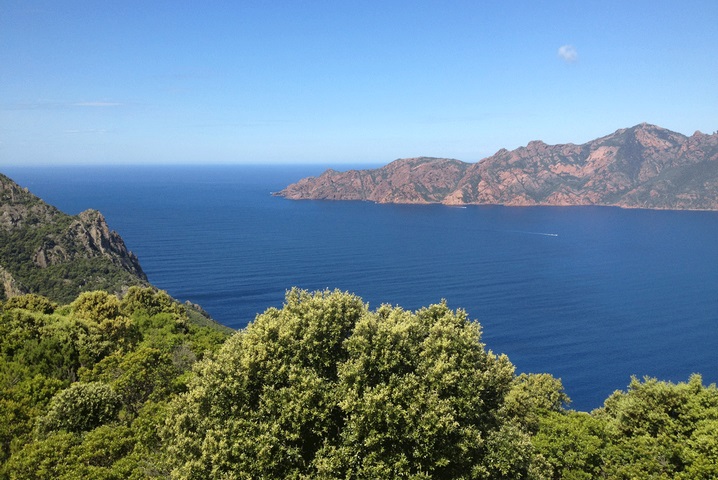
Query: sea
[[591, 295]]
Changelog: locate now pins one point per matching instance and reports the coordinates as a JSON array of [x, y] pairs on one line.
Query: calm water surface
[[590, 295]]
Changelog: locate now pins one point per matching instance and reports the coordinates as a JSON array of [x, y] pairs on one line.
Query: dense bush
[[131, 388], [84, 387], [326, 388], [81, 407]]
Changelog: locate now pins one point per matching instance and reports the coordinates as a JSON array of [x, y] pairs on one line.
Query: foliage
[[96, 306], [533, 396], [32, 302], [130, 388], [151, 302], [44, 458], [326, 388], [105, 453], [80, 408], [659, 428], [653, 430], [572, 443], [23, 396], [84, 387], [140, 375]]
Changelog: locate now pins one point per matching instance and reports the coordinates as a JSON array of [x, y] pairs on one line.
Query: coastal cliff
[[43, 250], [645, 166]]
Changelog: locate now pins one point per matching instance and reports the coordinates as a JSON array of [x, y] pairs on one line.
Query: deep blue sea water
[[590, 295]]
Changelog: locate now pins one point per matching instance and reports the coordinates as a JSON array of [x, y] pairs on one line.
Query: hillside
[[45, 251], [645, 166]]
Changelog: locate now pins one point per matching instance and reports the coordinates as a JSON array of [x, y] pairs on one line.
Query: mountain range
[[644, 166]]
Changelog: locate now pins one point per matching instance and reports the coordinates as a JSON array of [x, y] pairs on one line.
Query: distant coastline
[[646, 167]]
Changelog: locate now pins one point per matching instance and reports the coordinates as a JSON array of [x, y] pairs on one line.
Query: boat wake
[[534, 233]]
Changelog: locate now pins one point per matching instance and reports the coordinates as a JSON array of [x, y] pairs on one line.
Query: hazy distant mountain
[[641, 167], [45, 251]]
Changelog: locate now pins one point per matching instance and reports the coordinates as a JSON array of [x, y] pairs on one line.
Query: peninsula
[[645, 166]]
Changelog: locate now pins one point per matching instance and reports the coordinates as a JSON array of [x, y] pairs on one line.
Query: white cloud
[[568, 53]]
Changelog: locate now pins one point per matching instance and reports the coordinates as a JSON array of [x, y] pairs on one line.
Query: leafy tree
[[533, 396], [130, 362], [143, 374], [325, 388], [32, 302], [572, 444], [17, 327], [23, 396], [80, 408], [105, 453], [701, 452], [100, 454], [46, 344], [149, 301], [44, 458], [96, 306], [654, 427], [321, 388], [107, 328]]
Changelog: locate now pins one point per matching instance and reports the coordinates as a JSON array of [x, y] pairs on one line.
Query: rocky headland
[[45, 251], [645, 166]]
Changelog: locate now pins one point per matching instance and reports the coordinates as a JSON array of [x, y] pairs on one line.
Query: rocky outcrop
[[20, 209], [88, 236], [10, 287], [58, 255], [644, 166]]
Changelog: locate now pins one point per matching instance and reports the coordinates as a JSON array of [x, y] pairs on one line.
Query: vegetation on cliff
[[45, 251]]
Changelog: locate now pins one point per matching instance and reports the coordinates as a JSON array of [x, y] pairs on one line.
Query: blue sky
[[332, 82]]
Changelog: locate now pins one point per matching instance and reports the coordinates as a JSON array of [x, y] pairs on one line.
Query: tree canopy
[[132, 388], [84, 387], [327, 388]]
